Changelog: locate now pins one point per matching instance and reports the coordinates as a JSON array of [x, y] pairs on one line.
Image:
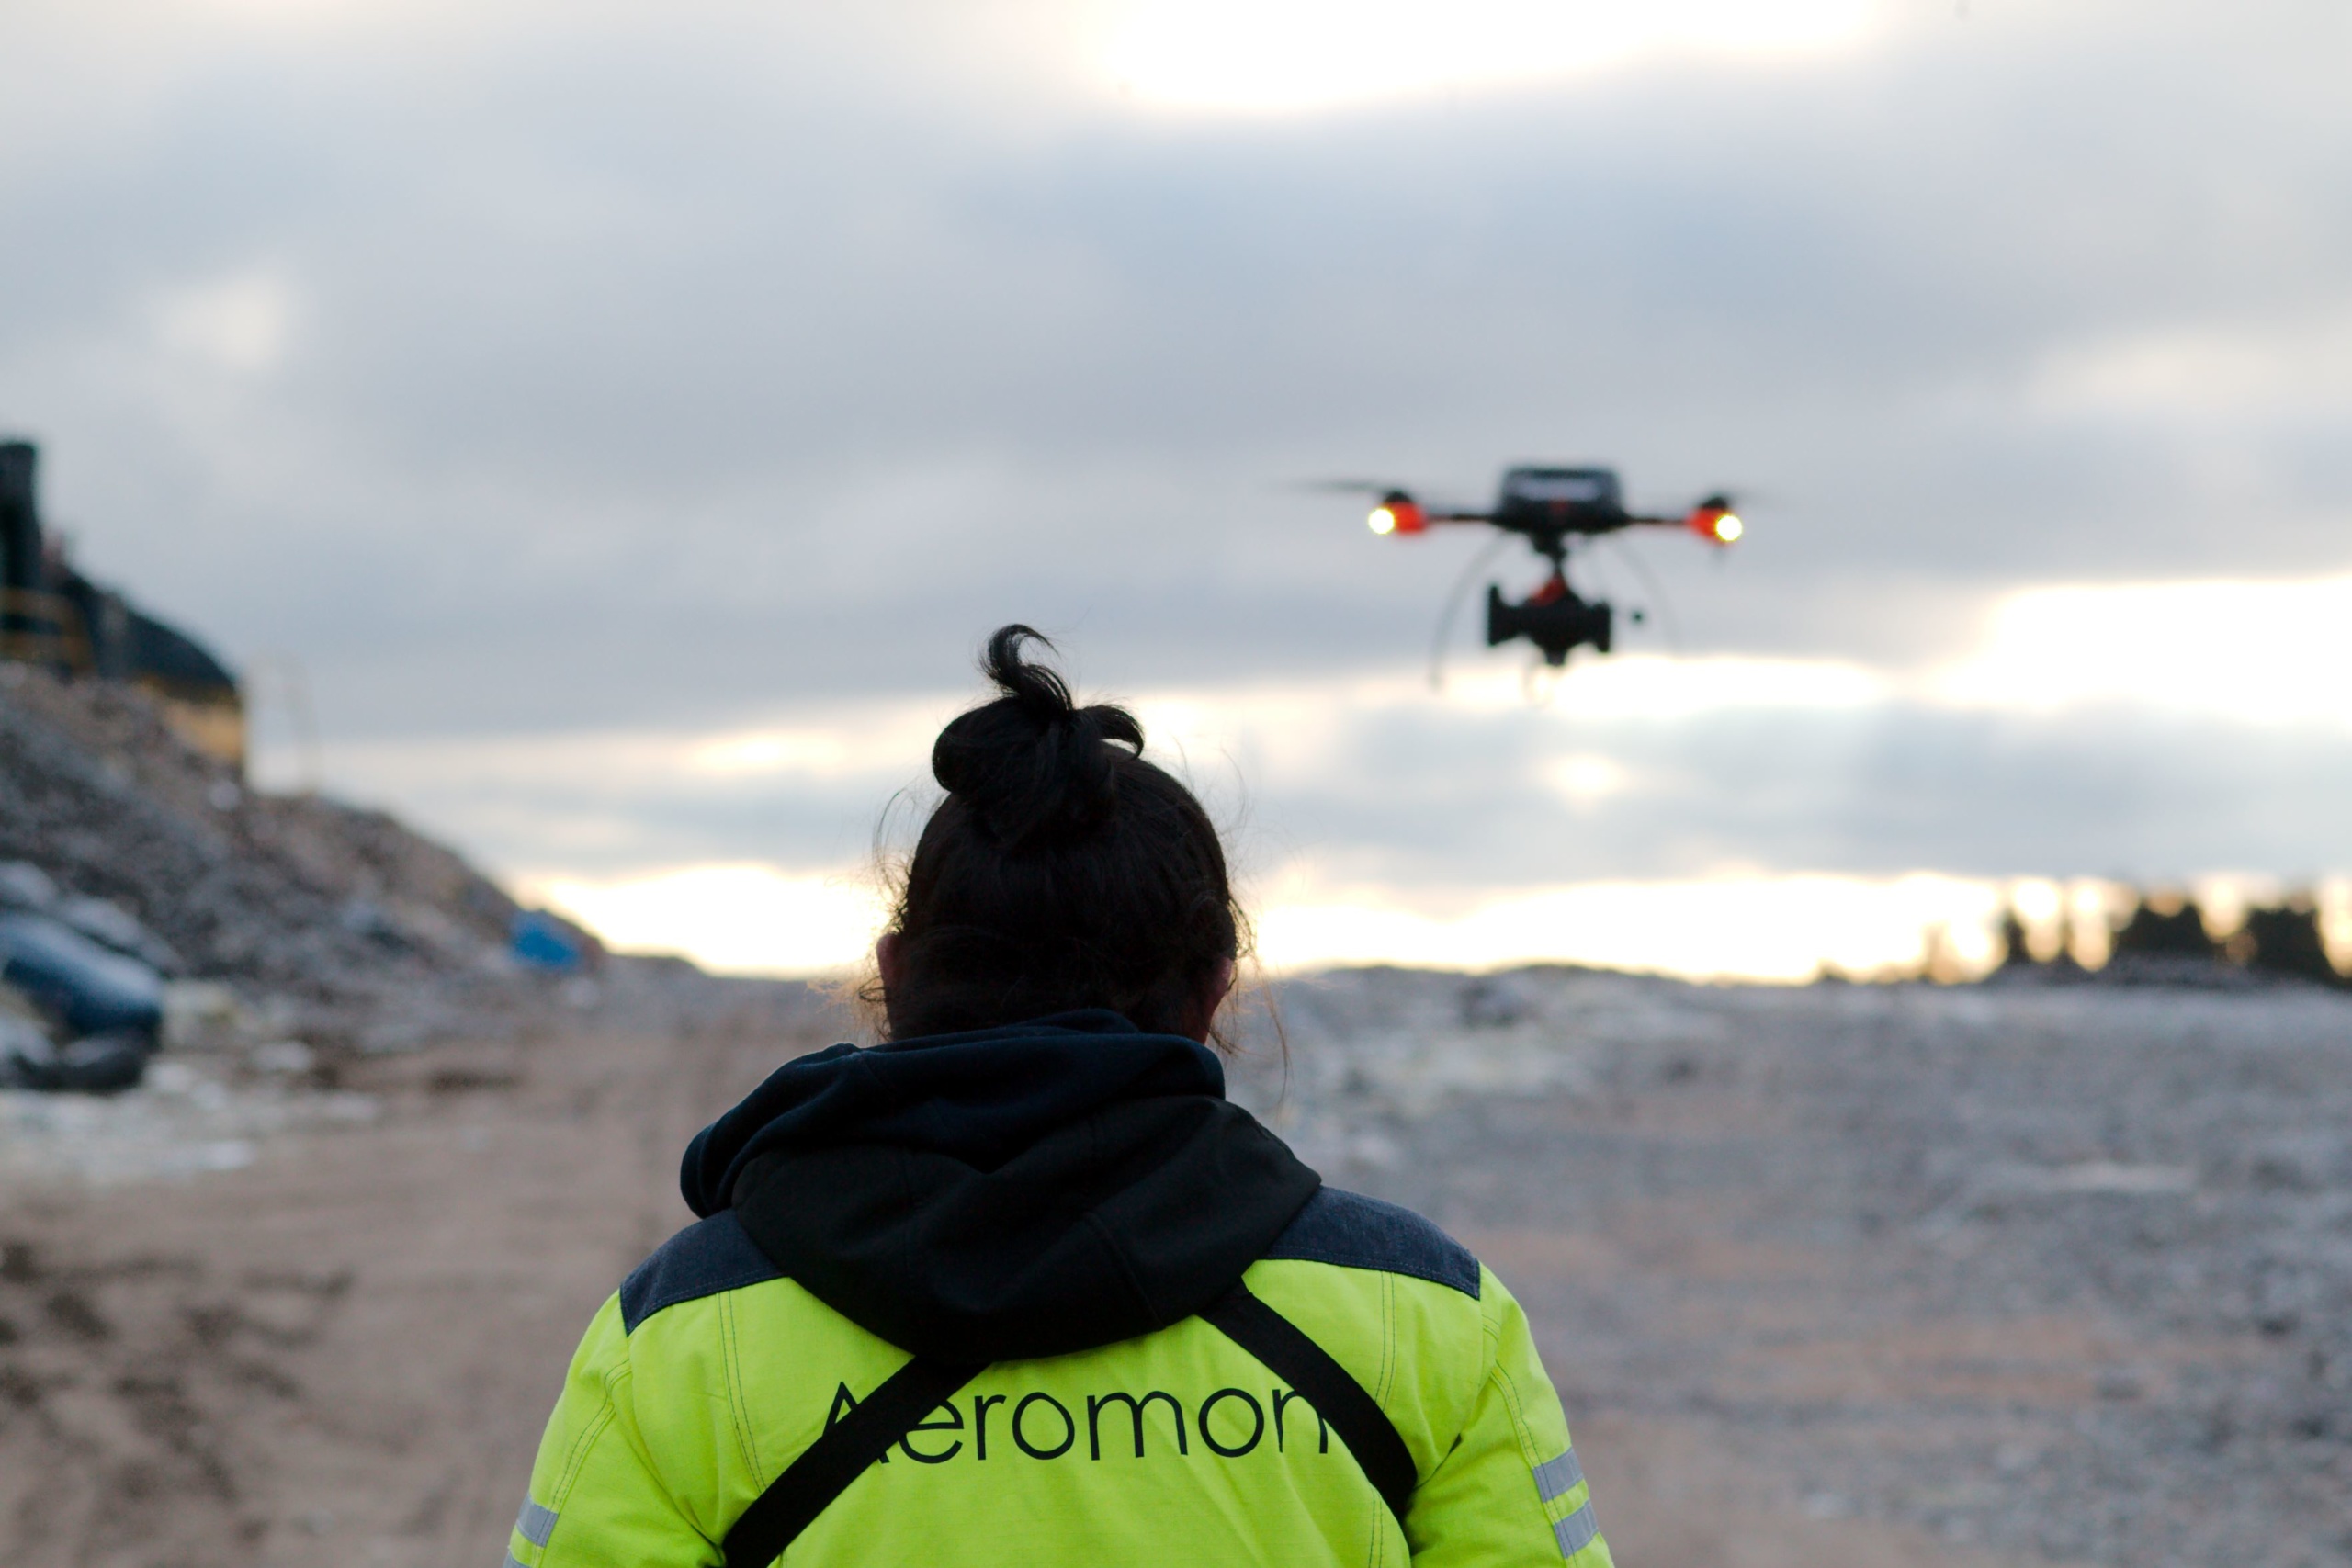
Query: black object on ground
[[100, 1064]]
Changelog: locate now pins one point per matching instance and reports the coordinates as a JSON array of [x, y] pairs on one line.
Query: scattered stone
[[2058, 1271]]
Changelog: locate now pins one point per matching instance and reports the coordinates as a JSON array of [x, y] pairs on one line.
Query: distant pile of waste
[[146, 894], [133, 863]]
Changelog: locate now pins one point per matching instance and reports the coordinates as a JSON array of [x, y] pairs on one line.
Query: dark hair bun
[[1033, 766], [1061, 871]]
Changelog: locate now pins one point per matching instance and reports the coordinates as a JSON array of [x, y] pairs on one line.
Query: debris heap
[[158, 851]]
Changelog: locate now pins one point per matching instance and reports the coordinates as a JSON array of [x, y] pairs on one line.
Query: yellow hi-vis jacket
[[708, 1374]]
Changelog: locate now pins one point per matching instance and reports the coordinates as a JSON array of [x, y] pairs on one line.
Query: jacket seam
[[1330, 1259], [1388, 1363], [738, 1406], [1522, 1431], [1388, 1350], [575, 1461], [901, 1180], [1093, 1221]]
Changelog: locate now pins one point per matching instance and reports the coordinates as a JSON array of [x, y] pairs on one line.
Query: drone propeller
[[1657, 593], [1397, 511], [1454, 597]]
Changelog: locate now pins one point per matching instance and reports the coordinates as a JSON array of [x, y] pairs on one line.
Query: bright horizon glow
[[2271, 650], [1777, 929], [755, 920], [2268, 652], [1281, 57], [748, 919], [743, 918]]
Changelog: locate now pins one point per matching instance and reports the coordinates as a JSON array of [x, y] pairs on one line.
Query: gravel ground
[[1843, 1277], [2063, 1273]]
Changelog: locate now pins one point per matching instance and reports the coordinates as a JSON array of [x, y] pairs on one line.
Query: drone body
[[1549, 507]]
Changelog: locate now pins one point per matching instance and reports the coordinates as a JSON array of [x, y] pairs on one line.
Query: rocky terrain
[[366, 931], [1839, 1276], [2064, 1274]]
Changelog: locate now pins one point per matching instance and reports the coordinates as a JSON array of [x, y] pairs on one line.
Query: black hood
[[1003, 1193]]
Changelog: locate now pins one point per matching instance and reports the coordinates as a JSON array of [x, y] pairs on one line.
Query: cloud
[[2009, 762], [2297, 369], [733, 314], [240, 324], [2261, 653], [1300, 56], [604, 407]]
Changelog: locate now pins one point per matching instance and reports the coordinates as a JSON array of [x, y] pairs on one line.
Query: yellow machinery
[[53, 616]]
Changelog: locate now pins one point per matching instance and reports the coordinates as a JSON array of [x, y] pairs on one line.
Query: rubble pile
[[287, 891], [126, 853]]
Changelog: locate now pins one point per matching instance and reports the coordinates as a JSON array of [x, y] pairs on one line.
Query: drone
[[1548, 508]]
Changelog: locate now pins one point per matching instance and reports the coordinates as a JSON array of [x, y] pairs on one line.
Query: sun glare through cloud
[[745, 919], [2270, 652], [1298, 56], [241, 323], [1329, 783]]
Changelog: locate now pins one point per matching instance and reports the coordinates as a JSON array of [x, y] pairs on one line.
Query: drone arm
[[1712, 520], [1400, 513]]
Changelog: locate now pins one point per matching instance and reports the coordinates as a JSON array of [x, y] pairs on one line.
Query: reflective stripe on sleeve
[[1575, 1532], [534, 1524], [1554, 1477]]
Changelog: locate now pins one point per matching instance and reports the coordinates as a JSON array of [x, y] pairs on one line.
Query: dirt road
[[344, 1352]]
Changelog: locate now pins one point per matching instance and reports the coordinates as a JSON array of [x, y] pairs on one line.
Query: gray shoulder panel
[[1356, 1232], [705, 1259]]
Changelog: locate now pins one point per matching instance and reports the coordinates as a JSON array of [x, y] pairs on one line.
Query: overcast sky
[[630, 418]]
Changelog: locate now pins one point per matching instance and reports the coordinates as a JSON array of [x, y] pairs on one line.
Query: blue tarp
[[543, 941]]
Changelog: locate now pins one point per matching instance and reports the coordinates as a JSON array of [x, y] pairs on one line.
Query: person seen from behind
[[1020, 1285]]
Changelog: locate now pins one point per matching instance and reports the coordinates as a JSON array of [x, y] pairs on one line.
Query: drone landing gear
[[1553, 617]]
